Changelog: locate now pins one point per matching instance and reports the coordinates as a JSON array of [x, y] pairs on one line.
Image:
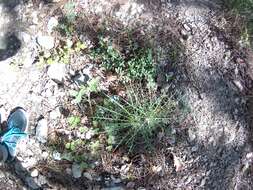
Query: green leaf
[[74, 121], [67, 145], [73, 93], [83, 129], [73, 146], [50, 61], [93, 85]]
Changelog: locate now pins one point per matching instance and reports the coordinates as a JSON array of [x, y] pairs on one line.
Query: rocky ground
[[215, 152]]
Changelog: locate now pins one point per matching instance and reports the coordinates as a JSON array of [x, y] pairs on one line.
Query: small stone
[[89, 134], [88, 176], [56, 155], [45, 155], [187, 27], [46, 42], [42, 180], [35, 173], [203, 182], [130, 185], [76, 170], [35, 17], [57, 72], [42, 131], [195, 148], [52, 23], [238, 84], [55, 114], [68, 171], [249, 155]]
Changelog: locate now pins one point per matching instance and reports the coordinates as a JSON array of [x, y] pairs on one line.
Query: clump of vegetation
[[62, 53], [137, 119], [245, 9], [66, 24], [135, 64], [85, 91]]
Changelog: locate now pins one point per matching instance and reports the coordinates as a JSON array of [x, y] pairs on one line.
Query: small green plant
[[137, 119], [62, 53], [74, 121], [85, 91], [66, 23], [136, 64]]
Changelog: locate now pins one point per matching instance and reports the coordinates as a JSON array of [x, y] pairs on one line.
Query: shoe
[[17, 124]]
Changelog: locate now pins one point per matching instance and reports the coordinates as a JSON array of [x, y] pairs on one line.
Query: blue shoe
[[17, 124]]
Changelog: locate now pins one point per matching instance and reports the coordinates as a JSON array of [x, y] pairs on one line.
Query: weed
[[135, 120], [85, 91], [74, 121], [135, 64], [66, 23]]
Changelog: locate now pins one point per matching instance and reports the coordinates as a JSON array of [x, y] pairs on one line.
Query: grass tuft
[[135, 120]]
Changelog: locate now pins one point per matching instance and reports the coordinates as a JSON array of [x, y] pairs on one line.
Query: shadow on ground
[[9, 42]]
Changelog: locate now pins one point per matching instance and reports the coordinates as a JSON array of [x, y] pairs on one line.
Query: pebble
[[68, 171], [52, 23], [57, 72], [55, 114], [46, 42], [42, 180], [45, 155], [239, 85], [34, 173], [42, 131], [76, 170], [88, 176]]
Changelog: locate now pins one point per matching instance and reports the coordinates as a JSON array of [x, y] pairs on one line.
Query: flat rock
[[52, 23], [46, 42], [57, 72], [42, 131]]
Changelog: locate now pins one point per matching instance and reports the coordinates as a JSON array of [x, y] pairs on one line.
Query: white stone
[[42, 131], [34, 173], [52, 23], [55, 114], [57, 72], [46, 42]]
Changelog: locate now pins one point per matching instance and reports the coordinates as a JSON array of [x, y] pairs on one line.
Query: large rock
[[57, 72], [42, 131], [46, 42]]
